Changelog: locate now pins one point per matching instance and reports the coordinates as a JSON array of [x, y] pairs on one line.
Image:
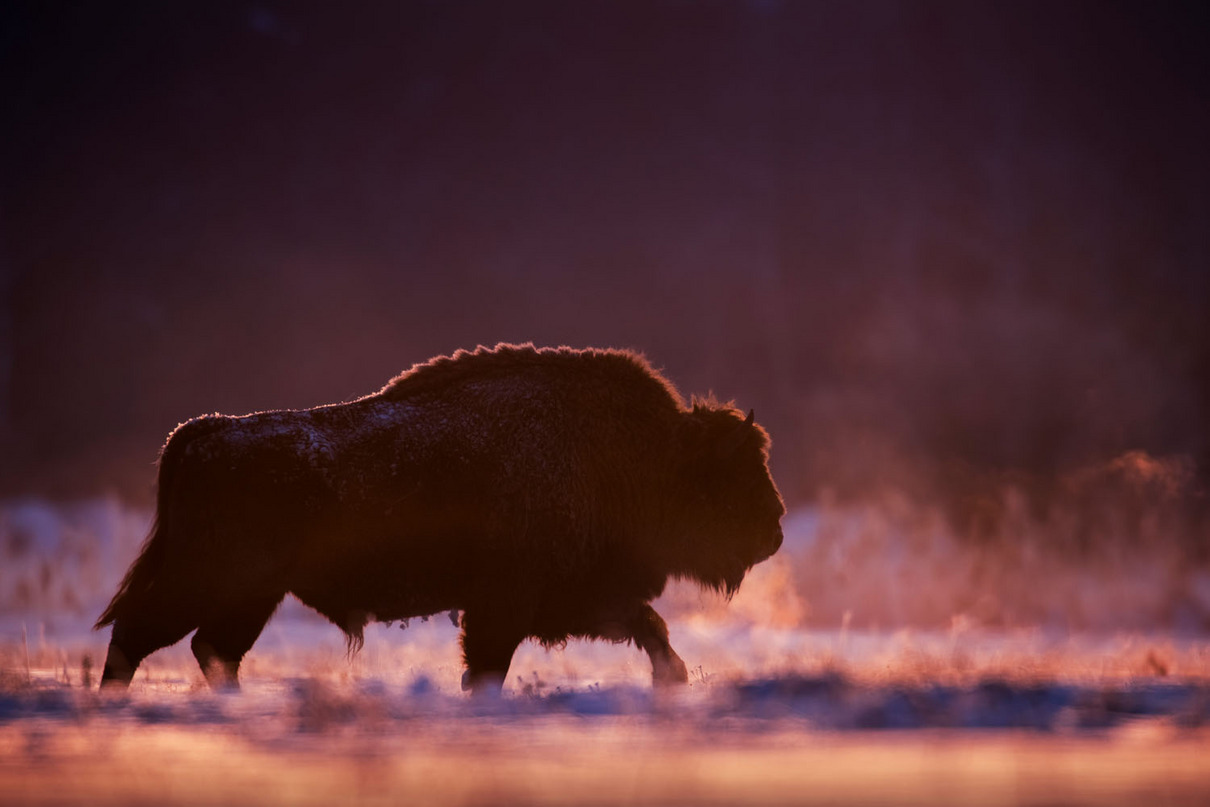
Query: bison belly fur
[[544, 493]]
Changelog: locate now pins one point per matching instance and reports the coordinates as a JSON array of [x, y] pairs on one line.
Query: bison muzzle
[[544, 493]]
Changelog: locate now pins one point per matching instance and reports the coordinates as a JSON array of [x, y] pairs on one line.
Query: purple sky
[[924, 240]]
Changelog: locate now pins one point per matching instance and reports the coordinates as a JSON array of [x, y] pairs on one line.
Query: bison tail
[[138, 578], [143, 571]]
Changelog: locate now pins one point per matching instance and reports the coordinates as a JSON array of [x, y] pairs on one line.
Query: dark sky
[[928, 242]]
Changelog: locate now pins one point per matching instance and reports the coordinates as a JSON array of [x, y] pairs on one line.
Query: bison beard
[[544, 493]]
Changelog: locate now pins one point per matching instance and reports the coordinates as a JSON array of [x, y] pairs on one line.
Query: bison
[[544, 493]]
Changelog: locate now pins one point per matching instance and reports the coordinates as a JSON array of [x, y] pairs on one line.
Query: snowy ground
[[783, 708]]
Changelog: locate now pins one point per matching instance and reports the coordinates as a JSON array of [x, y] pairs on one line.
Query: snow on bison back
[[546, 493]]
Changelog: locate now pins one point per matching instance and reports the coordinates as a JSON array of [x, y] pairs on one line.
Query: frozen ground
[[783, 707]]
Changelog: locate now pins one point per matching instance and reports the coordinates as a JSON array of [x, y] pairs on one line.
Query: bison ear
[[730, 442]]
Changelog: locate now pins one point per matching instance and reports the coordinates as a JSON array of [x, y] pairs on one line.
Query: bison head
[[731, 517]]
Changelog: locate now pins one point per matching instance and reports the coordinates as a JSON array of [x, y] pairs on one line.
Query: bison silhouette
[[544, 493]]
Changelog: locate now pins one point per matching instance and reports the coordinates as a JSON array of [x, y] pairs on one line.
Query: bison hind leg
[[118, 670], [223, 639], [137, 635]]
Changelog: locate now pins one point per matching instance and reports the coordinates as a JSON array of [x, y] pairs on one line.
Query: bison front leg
[[488, 643], [650, 633]]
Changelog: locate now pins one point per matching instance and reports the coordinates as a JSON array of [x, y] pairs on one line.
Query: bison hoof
[[483, 683], [118, 671], [221, 674], [669, 672]]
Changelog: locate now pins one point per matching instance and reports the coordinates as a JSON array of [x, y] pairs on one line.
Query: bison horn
[[735, 438]]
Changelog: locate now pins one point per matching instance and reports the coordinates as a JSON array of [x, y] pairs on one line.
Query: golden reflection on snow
[[619, 761]]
